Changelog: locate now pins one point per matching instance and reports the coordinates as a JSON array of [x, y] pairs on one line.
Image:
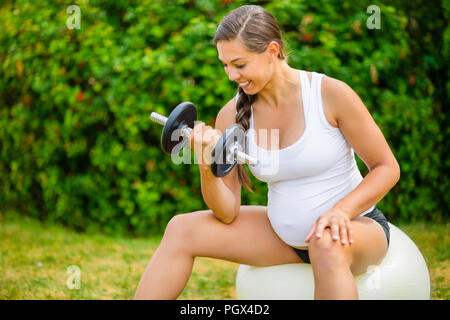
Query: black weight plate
[[183, 114], [220, 166]]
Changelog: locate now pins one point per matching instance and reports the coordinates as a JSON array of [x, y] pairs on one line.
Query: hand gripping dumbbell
[[227, 152]]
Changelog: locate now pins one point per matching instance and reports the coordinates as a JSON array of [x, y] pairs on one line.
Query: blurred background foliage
[[77, 145]]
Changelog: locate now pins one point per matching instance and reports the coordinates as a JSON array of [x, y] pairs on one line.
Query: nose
[[233, 75]]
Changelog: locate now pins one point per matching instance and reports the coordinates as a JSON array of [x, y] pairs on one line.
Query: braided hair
[[255, 27]]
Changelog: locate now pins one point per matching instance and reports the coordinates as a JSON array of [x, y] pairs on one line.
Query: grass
[[35, 259]]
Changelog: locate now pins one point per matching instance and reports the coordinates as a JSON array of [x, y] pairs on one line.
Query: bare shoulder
[[227, 115], [334, 86], [336, 94]]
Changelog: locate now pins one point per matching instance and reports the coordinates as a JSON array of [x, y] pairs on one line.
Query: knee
[[179, 230], [327, 253]]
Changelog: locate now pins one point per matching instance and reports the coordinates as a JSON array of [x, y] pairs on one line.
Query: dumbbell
[[228, 150]]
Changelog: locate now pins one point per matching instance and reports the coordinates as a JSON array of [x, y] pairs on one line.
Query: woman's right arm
[[222, 195]]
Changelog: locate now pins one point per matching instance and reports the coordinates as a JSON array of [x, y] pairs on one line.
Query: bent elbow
[[226, 219], [397, 172], [229, 219]]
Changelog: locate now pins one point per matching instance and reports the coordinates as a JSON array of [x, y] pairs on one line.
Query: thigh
[[369, 246], [249, 239]]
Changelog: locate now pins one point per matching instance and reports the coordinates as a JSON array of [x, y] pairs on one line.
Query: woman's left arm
[[368, 142]]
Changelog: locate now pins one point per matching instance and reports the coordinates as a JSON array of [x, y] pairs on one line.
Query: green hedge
[[77, 145]]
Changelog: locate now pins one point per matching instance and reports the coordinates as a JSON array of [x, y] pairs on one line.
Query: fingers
[[196, 135], [311, 232], [349, 233], [343, 232], [339, 230], [202, 140], [210, 138], [334, 230], [322, 223]]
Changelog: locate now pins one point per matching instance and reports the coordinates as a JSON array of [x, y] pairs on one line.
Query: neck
[[283, 82]]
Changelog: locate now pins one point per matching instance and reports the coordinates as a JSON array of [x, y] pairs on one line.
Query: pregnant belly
[[291, 224]]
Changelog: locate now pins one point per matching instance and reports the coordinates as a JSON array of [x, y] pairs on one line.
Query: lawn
[[36, 260]]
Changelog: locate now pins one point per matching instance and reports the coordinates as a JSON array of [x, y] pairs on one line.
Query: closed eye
[[239, 67]]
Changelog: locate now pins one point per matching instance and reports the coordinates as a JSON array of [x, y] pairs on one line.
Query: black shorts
[[375, 214]]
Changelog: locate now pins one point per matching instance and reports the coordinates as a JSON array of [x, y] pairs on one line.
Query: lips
[[244, 84]]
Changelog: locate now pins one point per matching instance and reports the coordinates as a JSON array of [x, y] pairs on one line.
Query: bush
[[77, 144]]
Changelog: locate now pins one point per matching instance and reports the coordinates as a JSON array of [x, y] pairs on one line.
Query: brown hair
[[255, 28]]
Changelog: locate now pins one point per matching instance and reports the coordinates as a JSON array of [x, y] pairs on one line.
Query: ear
[[272, 50]]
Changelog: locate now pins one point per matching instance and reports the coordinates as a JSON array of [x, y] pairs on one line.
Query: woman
[[320, 209]]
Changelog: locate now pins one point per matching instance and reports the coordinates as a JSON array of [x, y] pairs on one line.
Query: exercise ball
[[403, 274]]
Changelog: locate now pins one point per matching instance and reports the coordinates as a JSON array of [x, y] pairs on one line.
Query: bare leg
[[333, 278], [166, 274], [249, 240], [334, 264]]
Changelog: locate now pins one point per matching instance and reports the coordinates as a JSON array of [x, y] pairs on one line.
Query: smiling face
[[250, 70]]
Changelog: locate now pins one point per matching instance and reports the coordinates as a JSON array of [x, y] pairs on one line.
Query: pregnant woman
[[304, 127]]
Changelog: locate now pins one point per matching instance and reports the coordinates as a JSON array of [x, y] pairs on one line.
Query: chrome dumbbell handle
[[241, 156], [158, 118]]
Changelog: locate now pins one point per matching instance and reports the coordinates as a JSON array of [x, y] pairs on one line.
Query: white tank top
[[308, 177]]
